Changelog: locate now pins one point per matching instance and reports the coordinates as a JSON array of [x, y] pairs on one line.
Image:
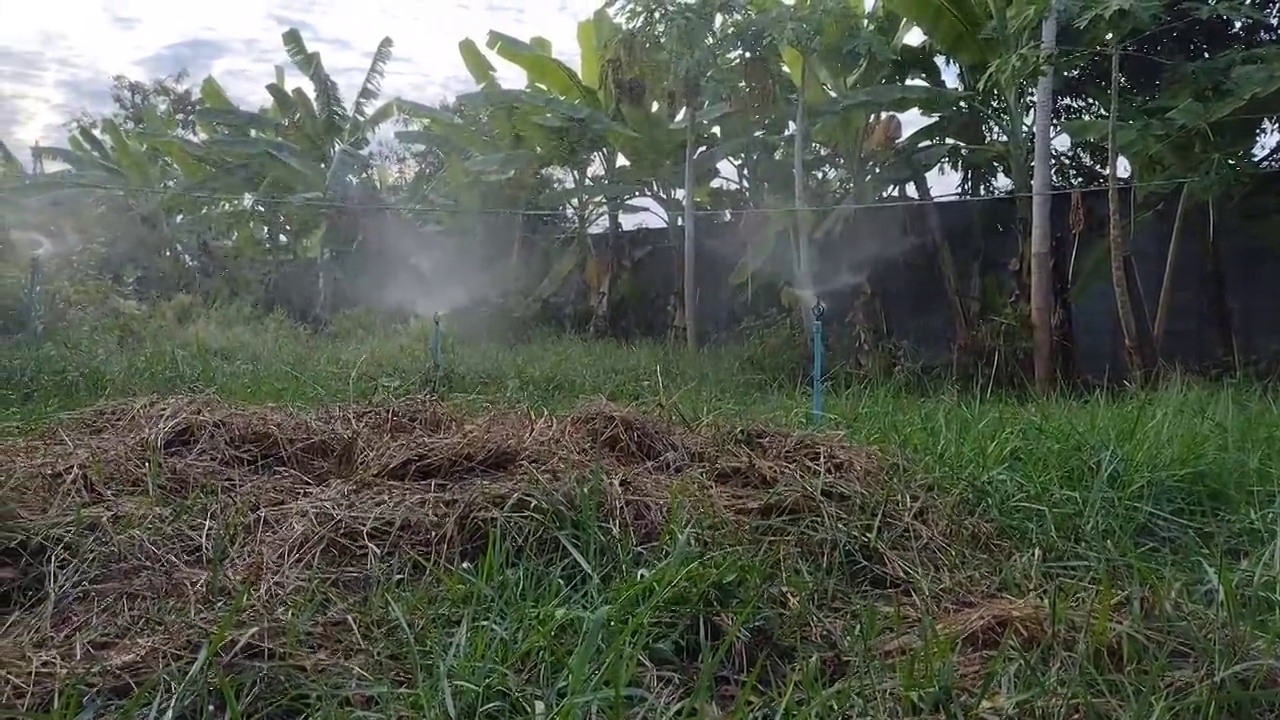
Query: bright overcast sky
[[59, 59]]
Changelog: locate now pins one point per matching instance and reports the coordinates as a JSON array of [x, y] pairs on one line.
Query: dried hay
[[980, 630], [134, 520]]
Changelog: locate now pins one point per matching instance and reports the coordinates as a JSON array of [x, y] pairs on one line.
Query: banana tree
[[118, 178], [12, 176], [508, 154], [477, 169], [581, 120], [130, 167], [300, 155]]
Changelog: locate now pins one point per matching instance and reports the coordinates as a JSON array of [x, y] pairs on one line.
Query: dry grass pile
[[128, 525]]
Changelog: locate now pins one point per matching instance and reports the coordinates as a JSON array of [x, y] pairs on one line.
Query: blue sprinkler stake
[[435, 342], [818, 310]]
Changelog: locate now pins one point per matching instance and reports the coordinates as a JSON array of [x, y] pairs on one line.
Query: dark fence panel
[[886, 248]]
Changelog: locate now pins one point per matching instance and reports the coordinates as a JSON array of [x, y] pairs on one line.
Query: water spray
[[818, 311], [436, 358]]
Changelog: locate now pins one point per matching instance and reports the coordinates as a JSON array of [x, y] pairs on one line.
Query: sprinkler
[[818, 311], [435, 342]]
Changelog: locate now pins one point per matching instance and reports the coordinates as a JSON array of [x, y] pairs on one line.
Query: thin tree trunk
[[946, 264], [675, 301], [322, 289], [320, 311], [690, 281], [1064, 333], [1166, 283], [517, 241], [1019, 173], [1119, 245], [517, 231], [804, 269], [596, 271], [1219, 306], [1041, 247], [602, 260]]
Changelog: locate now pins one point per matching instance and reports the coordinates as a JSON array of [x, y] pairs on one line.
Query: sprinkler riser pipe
[[435, 342], [818, 312]]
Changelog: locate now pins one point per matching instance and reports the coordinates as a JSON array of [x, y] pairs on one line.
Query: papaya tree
[[688, 42], [850, 73], [1041, 245]]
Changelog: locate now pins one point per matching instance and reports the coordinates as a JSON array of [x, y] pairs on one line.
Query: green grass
[[1142, 528]]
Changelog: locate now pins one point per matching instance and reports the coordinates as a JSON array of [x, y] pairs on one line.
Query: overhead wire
[[408, 206]]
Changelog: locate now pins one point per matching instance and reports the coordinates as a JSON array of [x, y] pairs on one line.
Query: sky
[[59, 60]]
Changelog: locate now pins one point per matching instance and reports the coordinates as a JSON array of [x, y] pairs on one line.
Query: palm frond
[[328, 97], [9, 163], [371, 88], [95, 145], [297, 50], [77, 157]]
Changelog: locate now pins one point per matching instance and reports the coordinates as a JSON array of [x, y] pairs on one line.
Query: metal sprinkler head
[[819, 310]]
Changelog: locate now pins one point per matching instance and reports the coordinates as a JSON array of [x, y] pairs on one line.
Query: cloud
[[39, 92], [51, 68], [125, 23], [285, 22], [197, 56]]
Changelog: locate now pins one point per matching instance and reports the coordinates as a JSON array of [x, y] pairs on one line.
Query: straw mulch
[[130, 530]]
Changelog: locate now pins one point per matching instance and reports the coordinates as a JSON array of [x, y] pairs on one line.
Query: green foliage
[[1187, 131], [180, 170]]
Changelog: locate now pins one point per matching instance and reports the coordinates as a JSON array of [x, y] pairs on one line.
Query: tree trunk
[[946, 265], [1219, 307], [322, 289], [607, 260], [1041, 247], [320, 313], [1166, 283], [690, 281], [1064, 332], [804, 263], [517, 242], [1020, 175], [596, 271], [516, 231], [1134, 360], [675, 300]]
